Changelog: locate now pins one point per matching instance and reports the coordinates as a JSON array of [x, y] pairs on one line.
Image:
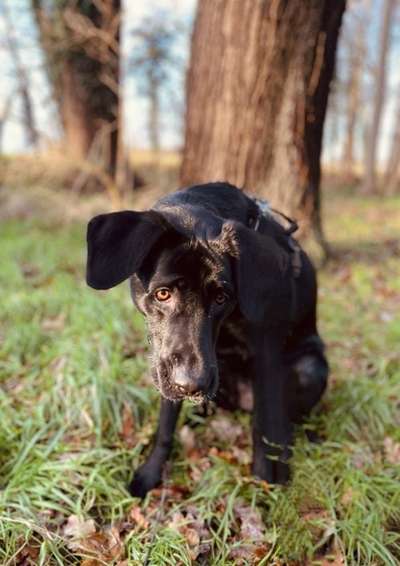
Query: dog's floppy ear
[[117, 244], [260, 270]]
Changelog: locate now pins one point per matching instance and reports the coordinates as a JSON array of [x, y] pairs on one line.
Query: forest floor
[[78, 412]]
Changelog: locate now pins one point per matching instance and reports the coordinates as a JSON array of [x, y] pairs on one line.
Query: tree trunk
[[370, 183], [356, 50], [4, 116], [257, 93], [392, 173], [84, 73], [154, 112], [24, 91]]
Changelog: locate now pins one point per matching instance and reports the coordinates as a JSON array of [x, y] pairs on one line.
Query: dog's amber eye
[[220, 297], [163, 295]]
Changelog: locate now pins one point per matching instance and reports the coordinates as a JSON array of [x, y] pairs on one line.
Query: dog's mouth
[[172, 392]]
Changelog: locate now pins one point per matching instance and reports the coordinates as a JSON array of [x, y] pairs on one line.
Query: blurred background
[[109, 104], [93, 99]]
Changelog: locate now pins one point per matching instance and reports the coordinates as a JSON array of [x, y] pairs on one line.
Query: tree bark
[[356, 52], [370, 181], [154, 113], [24, 91], [80, 40], [392, 173], [257, 91], [4, 116]]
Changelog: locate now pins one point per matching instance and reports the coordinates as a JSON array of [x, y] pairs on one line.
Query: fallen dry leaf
[[252, 526], [225, 429], [138, 518], [105, 546], [332, 558], [320, 523], [241, 456], [27, 555], [248, 554], [347, 497], [102, 546], [198, 468], [192, 527], [128, 426], [392, 450], [29, 270], [187, 438], [77, 528], [55, 323], [362, 457], [223, 454]]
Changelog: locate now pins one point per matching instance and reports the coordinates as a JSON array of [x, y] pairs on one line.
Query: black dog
[[230, 301]]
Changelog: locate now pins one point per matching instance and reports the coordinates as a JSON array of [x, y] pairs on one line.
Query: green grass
[[77, 415]]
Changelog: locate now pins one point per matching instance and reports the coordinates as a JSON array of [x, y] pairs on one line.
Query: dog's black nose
[[185, 383], [186, 373]]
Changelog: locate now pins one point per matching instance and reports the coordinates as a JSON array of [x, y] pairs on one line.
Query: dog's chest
[[235, 365]]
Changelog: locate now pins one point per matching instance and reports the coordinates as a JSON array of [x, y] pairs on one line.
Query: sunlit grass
[[73, 364]]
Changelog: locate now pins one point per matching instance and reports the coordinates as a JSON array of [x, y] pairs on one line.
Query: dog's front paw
[[144, 480], [271, 470]]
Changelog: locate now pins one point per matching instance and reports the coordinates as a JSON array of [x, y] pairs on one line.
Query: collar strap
[[264, 209]]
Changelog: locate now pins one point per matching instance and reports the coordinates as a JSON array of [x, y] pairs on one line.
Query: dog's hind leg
[[149, 474], [309, 377]]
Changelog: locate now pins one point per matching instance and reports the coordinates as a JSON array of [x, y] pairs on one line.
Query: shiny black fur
[[237, 327]]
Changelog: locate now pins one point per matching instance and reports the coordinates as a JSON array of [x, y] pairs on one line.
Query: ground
[[78, 412]]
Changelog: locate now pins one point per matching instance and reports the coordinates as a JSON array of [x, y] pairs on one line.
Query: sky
[[135, 105]]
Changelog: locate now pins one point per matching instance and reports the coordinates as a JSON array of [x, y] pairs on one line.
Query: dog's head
[[187, 273]]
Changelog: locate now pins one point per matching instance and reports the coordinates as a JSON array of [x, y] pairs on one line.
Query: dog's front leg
[[272, 429], [149, 474]]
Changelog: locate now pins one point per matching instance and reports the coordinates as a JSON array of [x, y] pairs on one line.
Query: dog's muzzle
[[176, 381]]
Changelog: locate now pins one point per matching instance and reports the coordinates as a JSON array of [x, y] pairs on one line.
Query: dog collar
[[265, 209]]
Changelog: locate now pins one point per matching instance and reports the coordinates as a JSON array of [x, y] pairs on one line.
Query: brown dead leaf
[[55, 323], [247, 553], [347, 497], [392, 450], [320, 524], [223, 454], [101, 546], [27, 555], [138, 518], [77, 528], [29, 270], [362, 457], [333, 558], [241, 456], [187, 438], [128, 426], [252, 526], [105, 546], [344, 274], [225, 429], [192, 527], [198, 468]]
